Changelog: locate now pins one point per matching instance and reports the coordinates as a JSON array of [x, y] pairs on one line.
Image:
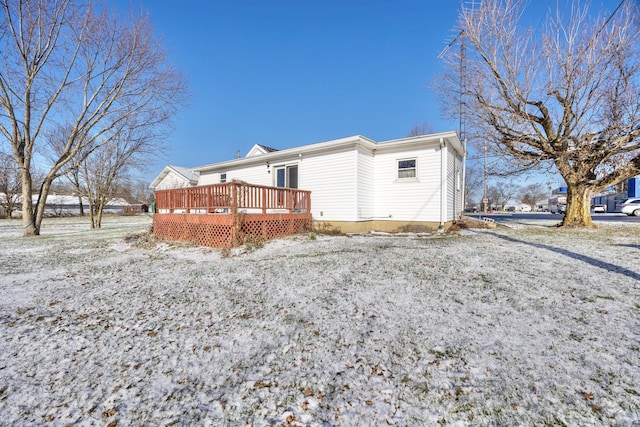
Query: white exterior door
[[287, 176]]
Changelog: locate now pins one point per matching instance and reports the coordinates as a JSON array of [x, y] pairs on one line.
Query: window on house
[[407, 168], [223, 178]]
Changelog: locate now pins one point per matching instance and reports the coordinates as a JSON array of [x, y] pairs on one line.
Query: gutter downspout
[[356, 189], [443, 184], [464, 177]]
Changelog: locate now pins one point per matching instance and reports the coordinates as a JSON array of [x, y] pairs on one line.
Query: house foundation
[[379, 225]]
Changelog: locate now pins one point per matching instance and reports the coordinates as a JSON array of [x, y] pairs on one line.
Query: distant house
[[65, 205], [522, 207], [356, 184]]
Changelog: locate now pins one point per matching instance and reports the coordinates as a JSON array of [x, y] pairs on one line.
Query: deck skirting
[[227, 230]]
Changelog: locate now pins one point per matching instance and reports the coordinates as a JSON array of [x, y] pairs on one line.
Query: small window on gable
[[407, 168], [223, 178]]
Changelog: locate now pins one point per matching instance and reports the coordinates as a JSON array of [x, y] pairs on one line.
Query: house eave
[[450, 137], [289, 153]]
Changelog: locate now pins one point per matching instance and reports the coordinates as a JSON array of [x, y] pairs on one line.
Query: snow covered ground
[[523, 326]]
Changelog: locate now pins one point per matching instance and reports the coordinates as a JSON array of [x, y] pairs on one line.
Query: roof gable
[[190, 177], [185, 172], [259, 149]]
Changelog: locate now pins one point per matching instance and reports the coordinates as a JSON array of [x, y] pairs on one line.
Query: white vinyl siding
[[454, 177], [173, 180], [332, 179], [365, 186], [255, 174], [330, 176], [416, 199]]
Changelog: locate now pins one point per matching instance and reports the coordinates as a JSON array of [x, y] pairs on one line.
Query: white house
[[357, 184], [174, 177]]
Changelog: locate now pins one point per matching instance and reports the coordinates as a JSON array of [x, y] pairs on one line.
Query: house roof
[[188, 174], [267, 149], [259, 149], [259, 154]]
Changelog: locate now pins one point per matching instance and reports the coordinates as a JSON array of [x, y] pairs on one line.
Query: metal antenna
[[455, 39], [462, 124]]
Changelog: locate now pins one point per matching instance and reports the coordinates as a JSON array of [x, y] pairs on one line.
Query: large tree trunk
[[578, 212]]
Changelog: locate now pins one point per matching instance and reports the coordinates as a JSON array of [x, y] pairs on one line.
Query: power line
[[608, 19]]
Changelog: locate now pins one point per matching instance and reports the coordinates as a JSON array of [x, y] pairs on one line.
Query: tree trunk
[[29, 226], [578, 213], [10, 207], [92, 213], [101, 204]]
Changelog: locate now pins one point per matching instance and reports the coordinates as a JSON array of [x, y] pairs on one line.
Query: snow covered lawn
[[527, 326]]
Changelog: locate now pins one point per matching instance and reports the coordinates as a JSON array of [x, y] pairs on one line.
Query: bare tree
[[532, 193], [104, 170], [473, 185], [423, 128], [10, 184], [136, 191], [74, 65], [501, 193], [57, 138], [565, 95]]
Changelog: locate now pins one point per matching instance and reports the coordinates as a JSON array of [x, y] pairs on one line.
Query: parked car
[[631, 207], [599, 208]]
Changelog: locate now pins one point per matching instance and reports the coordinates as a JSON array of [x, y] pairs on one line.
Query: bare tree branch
[[88, 73], [567, 93]]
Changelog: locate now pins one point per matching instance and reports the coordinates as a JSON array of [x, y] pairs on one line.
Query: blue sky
[[289, 73]]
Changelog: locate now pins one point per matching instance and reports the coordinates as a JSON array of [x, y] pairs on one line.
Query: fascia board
[[289, 153], [417, 141]]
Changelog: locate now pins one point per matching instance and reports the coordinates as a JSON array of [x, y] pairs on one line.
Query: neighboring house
[[356, 184], [66, 205], [174, 177], [522, 207]]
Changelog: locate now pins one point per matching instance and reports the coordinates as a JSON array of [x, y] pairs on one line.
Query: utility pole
[[485, 199]]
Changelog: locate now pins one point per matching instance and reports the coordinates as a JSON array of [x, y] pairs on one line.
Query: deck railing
[[233, 197]]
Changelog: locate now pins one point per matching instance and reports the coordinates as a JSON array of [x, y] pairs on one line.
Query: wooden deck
[[226, 215]]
